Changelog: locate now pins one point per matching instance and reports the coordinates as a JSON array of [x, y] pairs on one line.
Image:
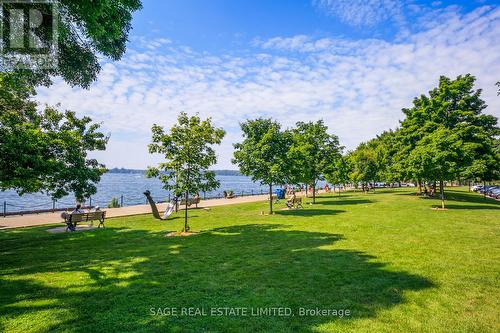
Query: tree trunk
[[373, 186], [469, 186], [270, 199], [177, 195], [441, 190], [484, 189], [314, 192], [186, 228], [419, 187]]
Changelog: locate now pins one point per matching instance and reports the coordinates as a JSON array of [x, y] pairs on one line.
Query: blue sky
[[352, 63], [229, 25]]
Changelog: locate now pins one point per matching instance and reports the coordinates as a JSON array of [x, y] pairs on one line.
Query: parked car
[[476, 188], [495, 193], [485, 189], [492, 188]]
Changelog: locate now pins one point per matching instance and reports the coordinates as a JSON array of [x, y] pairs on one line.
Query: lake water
[[130, 186]]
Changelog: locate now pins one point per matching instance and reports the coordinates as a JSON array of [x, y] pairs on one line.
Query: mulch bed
[[180, 234]]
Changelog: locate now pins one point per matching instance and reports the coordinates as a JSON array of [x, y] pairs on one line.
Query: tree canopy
[[456, 106], [373, 161], [313, 153], [364, 165], [86, 30], [338, 172], [263, 153], [188, 153], [45, 150], [437, 156], [445, 135]]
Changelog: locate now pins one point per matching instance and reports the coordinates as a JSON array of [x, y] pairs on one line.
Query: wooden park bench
[[295, 203], [191, 201], [74, 219]]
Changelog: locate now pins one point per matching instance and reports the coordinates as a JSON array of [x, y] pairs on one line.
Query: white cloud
[[150, 44], [363, 12], [357, 87]]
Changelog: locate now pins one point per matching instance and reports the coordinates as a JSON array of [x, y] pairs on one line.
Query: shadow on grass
[[465, 197], [470, 197], [336, 195], [308, 212], [470, 207], [342, 202], [111, 279]]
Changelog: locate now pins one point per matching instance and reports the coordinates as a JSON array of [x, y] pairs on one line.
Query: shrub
[[114, 203]]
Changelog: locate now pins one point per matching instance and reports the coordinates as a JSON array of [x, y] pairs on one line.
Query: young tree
[[263, 153], [364, 165], [339, 172], [373, 160], [188, 152], [46, 150], [384, 146], [312, 153]]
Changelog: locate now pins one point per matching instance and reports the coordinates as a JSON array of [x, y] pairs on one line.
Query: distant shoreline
[[139, 171]]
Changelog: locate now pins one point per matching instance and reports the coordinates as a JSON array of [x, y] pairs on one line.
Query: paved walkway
[[19, 221]]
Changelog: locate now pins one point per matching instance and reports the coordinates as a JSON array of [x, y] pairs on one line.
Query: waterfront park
[[399, 233]]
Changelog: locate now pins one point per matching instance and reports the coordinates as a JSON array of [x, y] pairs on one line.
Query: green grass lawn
[[394, 263]]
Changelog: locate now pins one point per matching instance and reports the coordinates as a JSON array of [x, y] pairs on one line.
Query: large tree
[[483, 158], [263, 153], [313, 152], [45, 150], [438, 156], [86, 30], [413, 128], [188, 153], [454, 105]]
